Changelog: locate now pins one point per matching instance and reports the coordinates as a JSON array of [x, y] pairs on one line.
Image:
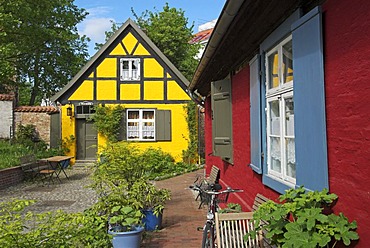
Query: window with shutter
[[146, 125], [293, 129], [222, 119]]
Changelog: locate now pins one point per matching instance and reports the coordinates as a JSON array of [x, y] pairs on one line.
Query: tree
[[168, 30], [43, 47]]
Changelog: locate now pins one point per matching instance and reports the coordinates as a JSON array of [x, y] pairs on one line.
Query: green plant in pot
[[124, 219], [304, 219], [151, 201], [123, 225]]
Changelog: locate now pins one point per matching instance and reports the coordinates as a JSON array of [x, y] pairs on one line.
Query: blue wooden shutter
[[255, 115], [309, 102], [222, 119]]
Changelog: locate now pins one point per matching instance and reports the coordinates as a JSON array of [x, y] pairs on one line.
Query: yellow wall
[[179, 130], [85, 91], [68, 129]]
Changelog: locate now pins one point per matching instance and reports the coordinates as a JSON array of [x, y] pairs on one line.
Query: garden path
[[181, 216]]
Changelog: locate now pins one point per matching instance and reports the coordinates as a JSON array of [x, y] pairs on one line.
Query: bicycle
[[213, 197]]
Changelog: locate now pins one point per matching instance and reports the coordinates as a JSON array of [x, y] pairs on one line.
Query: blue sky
[[102, 11]]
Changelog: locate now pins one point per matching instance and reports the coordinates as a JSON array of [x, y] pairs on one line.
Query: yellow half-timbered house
[[131, 71]]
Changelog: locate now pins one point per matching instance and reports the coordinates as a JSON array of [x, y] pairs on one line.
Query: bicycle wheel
[[208, 240]]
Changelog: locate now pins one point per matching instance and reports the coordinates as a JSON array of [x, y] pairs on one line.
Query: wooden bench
[[33, 168], [232, 227], [204, 182]]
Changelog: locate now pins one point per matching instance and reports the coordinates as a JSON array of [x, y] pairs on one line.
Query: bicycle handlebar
[[212, 192]]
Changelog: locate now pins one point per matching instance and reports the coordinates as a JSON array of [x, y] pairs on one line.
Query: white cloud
[[94, 28], [98, 11], [96, 23]]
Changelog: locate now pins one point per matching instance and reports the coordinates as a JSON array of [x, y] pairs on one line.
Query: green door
[[86, 140]]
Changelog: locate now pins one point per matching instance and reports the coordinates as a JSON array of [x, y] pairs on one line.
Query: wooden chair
[[232, 227], [31, 166], [47, 172]]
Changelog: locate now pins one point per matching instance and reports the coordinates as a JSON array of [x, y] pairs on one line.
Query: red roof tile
[[38, 109], [202, 36], [6, 97]]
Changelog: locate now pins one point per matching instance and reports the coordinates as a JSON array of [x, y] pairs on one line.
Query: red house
[[287, 95]]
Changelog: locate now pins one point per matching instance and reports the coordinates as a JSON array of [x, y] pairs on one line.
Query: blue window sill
[[275, 184]]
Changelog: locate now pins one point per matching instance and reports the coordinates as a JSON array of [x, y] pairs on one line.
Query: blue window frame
[[309, 104]]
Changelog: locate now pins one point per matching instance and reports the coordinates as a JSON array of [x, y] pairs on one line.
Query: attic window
[[130, 69]]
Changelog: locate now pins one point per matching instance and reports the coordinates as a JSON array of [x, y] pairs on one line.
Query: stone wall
[[40, 120]]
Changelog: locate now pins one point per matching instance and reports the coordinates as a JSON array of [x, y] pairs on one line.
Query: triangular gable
[[128, 40]]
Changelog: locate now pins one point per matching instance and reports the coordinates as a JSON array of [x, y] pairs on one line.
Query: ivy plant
[[107, 121], [301, 219], [190, 155]]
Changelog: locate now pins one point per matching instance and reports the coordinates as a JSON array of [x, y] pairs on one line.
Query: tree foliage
[[169, 30], [40, 47]]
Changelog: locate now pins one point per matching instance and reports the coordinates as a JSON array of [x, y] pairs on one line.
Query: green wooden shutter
[[122, 135], [163, 125], [309, 102], [222, 119], [255, 115], [55, 130]]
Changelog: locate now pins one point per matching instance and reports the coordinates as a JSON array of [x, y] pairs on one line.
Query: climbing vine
[[107, 121], [190, 155]]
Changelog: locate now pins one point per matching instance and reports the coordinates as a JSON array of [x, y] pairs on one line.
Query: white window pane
[[289, 116], [130, 69], [133, 114], [125, 74], [125, 65], [273, 70], [290, 157], [148, 130], [141, 124], [275, 154], [148, 114], [287, 62], [274, 117]]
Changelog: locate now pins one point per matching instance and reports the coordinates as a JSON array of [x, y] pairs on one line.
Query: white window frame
[[131, 74], [280, 93], [141, 126]]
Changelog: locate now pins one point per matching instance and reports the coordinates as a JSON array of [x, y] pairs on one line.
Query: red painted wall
[[347, 79], [239, 175], [346, 26]]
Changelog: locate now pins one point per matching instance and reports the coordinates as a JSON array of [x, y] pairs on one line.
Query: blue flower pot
[[150, 221], [130, 239]]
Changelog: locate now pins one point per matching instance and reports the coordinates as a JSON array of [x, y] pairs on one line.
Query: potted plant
[[124, 226], [151, 201], [303, 219]]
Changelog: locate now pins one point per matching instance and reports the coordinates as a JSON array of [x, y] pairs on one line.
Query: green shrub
[[21, 228], [299, 220]]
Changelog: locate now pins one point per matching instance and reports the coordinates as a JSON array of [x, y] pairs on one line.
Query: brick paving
[[181, 216]]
